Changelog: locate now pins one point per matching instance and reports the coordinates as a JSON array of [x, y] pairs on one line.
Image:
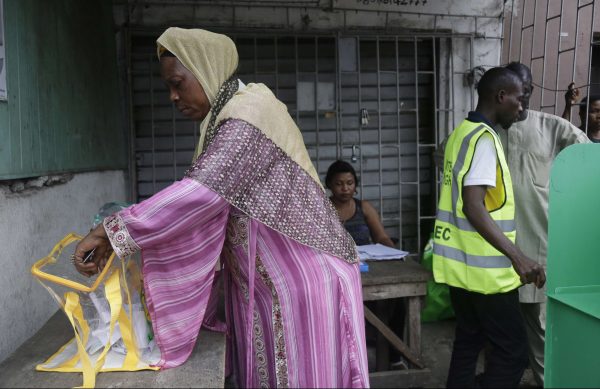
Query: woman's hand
[[572, 95], [96, 240], [571, 98]]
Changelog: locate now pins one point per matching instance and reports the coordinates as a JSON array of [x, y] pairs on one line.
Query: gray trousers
[[534, 315]]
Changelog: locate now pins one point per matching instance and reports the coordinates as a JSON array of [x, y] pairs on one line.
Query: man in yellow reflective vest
[[474, 251]]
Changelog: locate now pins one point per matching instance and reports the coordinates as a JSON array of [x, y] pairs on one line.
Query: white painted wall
[[32, 222]]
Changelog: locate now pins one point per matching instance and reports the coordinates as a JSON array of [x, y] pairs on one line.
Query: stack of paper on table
[[379, 252]]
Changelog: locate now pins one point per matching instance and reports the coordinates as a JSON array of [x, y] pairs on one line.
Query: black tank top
[[357, 226]]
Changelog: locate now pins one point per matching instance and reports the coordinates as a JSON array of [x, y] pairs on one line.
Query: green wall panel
[[63, 110]]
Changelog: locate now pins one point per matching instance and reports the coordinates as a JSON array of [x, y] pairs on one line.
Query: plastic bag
[[437, 301], [107, 312], [107, 210]]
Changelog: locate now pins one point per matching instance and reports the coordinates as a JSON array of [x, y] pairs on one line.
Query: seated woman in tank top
[[358, 216], [362, 221]]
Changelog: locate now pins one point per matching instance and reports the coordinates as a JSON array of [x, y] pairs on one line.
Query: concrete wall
[[33, 220]]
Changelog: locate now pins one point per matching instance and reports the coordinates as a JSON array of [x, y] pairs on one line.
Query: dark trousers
[[495, 318]]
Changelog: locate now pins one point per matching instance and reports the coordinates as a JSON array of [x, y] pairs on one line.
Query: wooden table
[[394, 279]]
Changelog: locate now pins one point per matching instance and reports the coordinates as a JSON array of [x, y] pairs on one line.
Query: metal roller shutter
[[328, 82]]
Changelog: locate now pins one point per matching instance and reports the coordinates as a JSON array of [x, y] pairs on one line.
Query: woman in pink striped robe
[[252, 204]]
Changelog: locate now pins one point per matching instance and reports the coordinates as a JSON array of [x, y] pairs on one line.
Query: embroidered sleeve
[[119, 237]]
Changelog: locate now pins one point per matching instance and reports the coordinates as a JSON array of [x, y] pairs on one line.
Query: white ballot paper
[[379, 252]]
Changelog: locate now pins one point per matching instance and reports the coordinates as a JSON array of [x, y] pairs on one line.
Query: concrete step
[[204, 369]]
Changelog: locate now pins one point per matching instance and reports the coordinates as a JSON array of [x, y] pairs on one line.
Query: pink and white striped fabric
[[294, 312], [181, 231], [307, 319]]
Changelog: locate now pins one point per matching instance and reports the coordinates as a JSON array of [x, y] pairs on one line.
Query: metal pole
[[255, 59], [453, 112], [379, 128], [436, 118], [316, 96], [151, 75], [276, 54], [133, 193], [338, 99], [398, 109], [575, 43], [174, 146], [297, 80], [471, 61], [418, 149], [359, 79], [560, 27], [502, 27]]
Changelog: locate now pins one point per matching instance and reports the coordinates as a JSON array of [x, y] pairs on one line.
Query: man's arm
[[475, 211]]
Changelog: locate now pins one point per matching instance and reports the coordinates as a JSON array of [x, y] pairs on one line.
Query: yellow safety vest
[[461, 256]]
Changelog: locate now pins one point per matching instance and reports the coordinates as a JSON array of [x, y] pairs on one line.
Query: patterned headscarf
[[212, 59], [284, 199]]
